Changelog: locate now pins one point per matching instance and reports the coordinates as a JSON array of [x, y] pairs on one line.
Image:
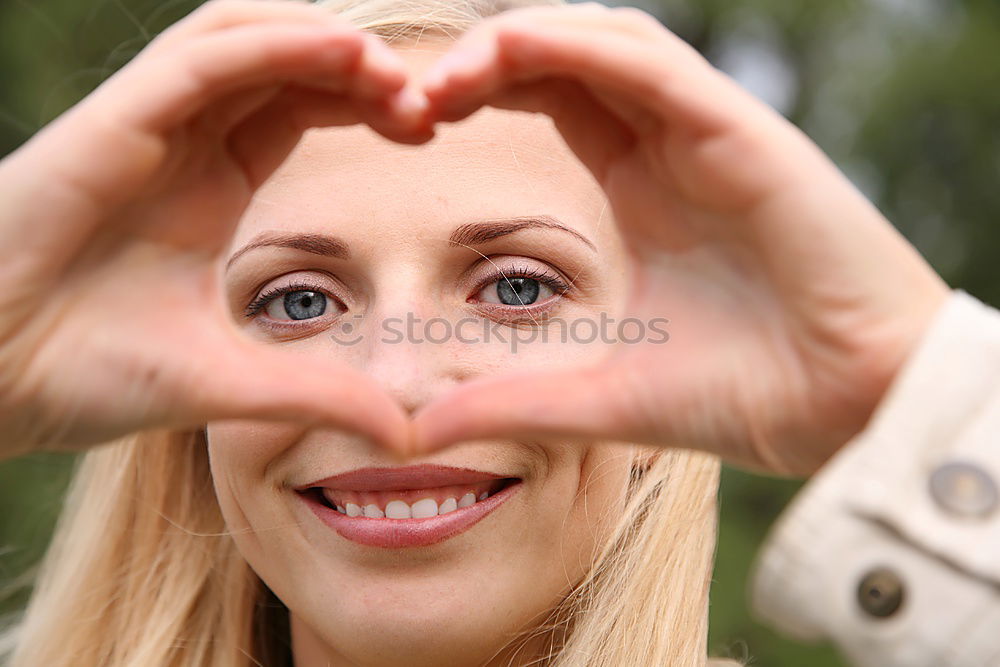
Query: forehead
[[494, 164]]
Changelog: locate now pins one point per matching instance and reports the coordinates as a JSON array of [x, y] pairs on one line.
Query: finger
[[229, 112], [138, 105], [662, 86], [678, 85], [221, 14], [396, 116], [169, 90], [591, 20], [577, 403], [253, 381], [262, 142]]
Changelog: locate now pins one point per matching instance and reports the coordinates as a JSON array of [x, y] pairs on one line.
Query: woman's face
[[426, 266]]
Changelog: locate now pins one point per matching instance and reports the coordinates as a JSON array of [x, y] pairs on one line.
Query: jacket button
[[880, 592], [963, 489]]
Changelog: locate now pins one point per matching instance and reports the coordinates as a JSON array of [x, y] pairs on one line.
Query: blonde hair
[[142, 571]]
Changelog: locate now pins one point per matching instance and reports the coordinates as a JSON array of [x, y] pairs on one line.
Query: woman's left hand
[[792, 301]]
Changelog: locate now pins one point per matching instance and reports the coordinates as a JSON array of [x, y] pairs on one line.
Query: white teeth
[[422, 509], [397, 509], [427, 507]]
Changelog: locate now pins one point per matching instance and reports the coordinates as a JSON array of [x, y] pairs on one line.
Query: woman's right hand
[[114, 217]]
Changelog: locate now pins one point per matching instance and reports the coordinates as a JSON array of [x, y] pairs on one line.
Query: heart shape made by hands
[[792, 302]]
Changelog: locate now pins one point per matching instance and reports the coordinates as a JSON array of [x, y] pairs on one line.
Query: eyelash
[[266, 297], [552, 281]]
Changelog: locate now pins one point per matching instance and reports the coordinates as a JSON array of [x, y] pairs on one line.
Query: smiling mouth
[[409, 503], [408, 517]]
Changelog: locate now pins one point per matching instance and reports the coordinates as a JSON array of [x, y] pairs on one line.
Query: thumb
[[570, 403], [252, 381]]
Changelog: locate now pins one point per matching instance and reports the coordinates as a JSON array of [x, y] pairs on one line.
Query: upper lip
[[424, 476]]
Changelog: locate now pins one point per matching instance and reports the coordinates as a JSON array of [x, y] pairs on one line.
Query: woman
[[274, 352]]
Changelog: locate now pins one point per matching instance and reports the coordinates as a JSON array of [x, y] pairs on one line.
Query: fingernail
[[411, 103], [462, 59]]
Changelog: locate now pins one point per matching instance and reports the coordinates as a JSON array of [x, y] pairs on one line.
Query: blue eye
[[294, 302], [299, 305], [518, 291], [515, 291]]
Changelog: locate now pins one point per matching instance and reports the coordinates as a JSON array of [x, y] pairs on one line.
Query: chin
[[432, 619]]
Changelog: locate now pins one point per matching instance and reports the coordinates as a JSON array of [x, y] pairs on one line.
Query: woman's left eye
[[515, 291]]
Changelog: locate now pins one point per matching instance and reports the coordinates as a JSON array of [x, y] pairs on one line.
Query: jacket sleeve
[[892, 549]]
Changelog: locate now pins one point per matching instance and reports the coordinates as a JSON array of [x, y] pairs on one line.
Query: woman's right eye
[[299, 305], [294, 303]]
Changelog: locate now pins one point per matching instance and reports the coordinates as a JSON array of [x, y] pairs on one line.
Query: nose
[[411, 367]]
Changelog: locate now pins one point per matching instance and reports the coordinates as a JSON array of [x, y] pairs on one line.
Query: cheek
[[601, 498], [569, 340], [570, 520], [245, 450], [243, 456]]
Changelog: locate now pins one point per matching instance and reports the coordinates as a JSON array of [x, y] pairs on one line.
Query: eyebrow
[[471, 234], [477, 233], [317, 244]]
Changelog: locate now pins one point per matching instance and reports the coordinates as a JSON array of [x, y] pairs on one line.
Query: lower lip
[[399, 533]]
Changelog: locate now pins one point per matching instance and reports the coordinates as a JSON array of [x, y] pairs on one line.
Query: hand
[[792, 301], [113, 219]]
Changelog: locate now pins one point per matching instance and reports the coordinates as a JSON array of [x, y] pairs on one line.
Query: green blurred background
[[903, 94]]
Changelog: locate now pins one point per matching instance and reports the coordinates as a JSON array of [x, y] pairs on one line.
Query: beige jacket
[[892, 549]]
